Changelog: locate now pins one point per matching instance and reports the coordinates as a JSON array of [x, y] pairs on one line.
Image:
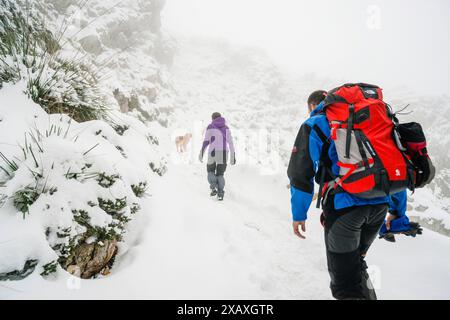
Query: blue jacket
[[303, 167]]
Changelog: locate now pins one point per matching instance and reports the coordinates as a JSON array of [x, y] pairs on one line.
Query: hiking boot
[[213, 193], [220, 196], [368, 289]]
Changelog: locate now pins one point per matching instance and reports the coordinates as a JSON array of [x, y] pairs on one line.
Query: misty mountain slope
[[254, 94]]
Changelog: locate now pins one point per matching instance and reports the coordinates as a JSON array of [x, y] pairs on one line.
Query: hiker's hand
[[414, 230], [389, 218], [296, 225], [200, 157], [399, 225]]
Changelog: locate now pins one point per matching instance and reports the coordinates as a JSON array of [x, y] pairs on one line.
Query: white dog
[[181, 142]]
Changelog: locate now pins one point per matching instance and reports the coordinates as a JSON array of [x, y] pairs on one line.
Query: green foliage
[[3, 198], [107, 181], [120, 129], [122, 152], [139, 189], [11, 165], [49, 268], [152, 140], [112, 207], [16, 275], [159, 170], [63, 233], [24, 198], [100, 233], [134, 208]]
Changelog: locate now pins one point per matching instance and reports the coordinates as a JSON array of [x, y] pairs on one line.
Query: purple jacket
[[218, 137]]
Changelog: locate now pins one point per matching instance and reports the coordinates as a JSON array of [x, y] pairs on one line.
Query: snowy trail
[[239, 248], [186, 245]]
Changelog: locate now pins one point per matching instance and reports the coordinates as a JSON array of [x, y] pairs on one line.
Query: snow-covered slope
[[193, 247], [68, 189], [63, 182]]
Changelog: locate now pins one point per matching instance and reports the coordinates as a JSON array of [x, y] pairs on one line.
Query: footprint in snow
[[252, 226]]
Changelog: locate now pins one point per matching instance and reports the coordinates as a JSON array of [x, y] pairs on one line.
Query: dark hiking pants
[[348, 236], [217, 164]]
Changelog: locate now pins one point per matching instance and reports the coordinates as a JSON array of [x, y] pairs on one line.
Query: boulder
[[89, 259], [92, 44]]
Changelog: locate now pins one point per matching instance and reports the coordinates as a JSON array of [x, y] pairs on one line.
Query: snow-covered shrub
[[67, 186], [139, 189], [31, 52]]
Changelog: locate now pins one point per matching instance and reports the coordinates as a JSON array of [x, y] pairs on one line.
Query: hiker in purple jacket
[[220, 142]]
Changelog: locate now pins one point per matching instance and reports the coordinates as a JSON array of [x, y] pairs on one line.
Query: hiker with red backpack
[[353, 146]]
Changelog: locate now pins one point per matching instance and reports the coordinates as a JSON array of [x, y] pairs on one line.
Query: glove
[[200, 157], [400, 225]]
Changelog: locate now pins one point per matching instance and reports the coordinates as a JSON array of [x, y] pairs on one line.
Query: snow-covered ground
[[184, 244], [193, 246]]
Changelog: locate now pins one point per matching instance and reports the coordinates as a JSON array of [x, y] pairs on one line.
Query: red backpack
[[370, 161]]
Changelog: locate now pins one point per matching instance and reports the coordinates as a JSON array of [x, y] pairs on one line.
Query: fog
[[390, 42]]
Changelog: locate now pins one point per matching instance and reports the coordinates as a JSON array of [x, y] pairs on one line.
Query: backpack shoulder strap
[[325, 140], [326, 146]]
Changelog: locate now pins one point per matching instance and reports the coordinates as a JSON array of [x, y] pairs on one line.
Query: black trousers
[[217, 169], [217, 164], [348, 236]]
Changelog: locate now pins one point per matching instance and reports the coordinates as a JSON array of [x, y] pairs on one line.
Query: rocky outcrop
[[432, 224], [88, 260]]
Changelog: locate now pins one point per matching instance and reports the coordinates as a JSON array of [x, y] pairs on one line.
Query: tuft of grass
[[29, 51], [100, 233], [112, 207], [107, 181], [3, 198], [120, 129], [152, 139], [139, 189], [11, 165], [134, 208], [122, 152], [15, 275], [49, 268], [159, 170], [24, 198]]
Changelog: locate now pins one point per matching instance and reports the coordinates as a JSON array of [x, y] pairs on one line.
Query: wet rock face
[[432, 224], [421, 208], [122, 100], [88, 260], [92, 44]]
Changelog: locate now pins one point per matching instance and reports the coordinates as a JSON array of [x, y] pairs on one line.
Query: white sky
[[387, 42]]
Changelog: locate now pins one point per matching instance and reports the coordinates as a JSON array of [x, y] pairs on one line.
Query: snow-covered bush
[[67, 186], [70, 182], [30, 51]]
